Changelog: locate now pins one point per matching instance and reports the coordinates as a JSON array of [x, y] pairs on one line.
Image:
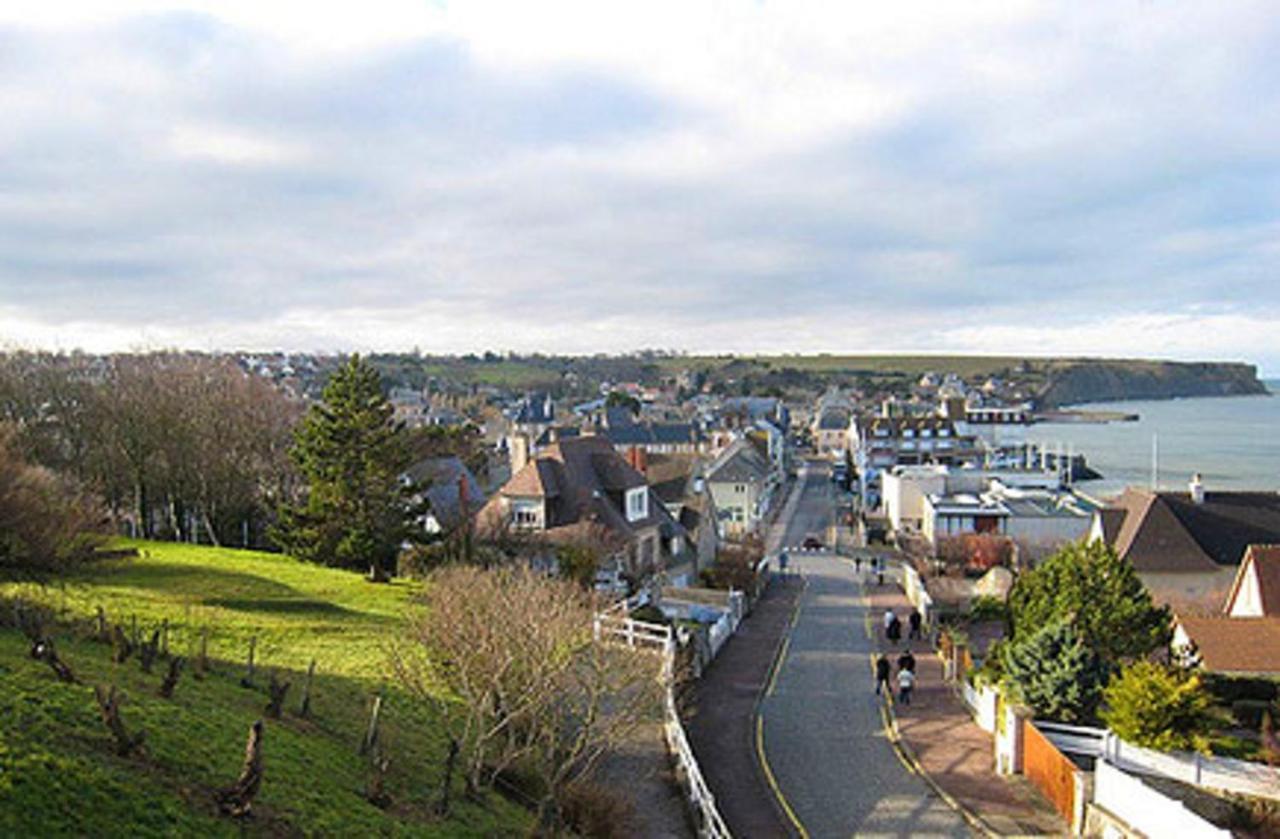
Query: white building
[[1035, 517]]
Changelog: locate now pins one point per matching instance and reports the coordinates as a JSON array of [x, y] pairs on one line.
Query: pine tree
[[355, 514], [1056, 674], [1102, 595]]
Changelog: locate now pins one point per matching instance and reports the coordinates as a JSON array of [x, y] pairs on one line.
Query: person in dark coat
[[914, 620], [857, 564], [882, 673], [907, 661], [894, 632]]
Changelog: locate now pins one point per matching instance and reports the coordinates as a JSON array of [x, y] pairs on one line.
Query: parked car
[[812, 543]]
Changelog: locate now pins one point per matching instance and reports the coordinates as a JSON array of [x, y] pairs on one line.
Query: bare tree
[[536, 689]]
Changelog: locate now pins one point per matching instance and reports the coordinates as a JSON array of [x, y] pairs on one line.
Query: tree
[[1102, 596], [509, 658], [1056, 673], [621, 399], [1159, 707], [356, 512]]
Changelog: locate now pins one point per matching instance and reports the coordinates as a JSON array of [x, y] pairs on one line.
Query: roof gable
[[1256, 590]]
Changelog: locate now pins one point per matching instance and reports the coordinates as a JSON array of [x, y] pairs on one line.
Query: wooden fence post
[[247, 681], [305, 710], [371, 735]]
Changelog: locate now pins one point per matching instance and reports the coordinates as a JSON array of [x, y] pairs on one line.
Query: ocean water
[[1233, 442]]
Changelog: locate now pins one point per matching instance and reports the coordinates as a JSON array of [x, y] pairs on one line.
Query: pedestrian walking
[[880, 570], [882, 673], [913, 620], [906, 681], [894, 632], [888, 617], [907, 661], [857, 564]]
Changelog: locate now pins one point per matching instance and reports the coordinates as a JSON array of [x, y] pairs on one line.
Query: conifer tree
[[355, 513], [1056, 674], [1101, 593]]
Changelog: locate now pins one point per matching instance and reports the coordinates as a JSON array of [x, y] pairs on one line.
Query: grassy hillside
[[58, 771]]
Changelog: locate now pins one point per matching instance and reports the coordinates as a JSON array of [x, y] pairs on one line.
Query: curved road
[[823, 736]]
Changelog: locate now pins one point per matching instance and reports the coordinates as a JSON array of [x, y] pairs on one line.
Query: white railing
[[916, 592], [609, 627], [982, 703], [1074, 739], [1144, 808], [1220, 773]]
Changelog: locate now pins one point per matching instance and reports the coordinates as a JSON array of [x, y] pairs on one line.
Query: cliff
[[1075, 382]]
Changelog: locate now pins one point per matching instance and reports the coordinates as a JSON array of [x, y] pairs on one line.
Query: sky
[[1009, 177]]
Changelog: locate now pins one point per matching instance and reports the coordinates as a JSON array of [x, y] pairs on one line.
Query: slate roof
[[1264, 562], [536, 409], [741, 462], [445, 477], [650, 434], [1235, 645], [584, 482], [833, 420], [1167, 531]]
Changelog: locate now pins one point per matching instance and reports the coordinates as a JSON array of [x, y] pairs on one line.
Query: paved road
[[823, 735]]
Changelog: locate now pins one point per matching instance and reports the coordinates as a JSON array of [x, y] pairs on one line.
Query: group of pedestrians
[[875, 565], [906, 661]]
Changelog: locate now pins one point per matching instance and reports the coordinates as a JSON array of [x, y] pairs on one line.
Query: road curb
[[762, 761]]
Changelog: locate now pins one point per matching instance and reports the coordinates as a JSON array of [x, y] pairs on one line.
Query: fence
[[1221, 773], [982, 703], [611, 627], [916, 592], [1143, 808], [1055, 774]]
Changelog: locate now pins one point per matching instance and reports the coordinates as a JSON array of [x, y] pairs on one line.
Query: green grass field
[[59, 774]]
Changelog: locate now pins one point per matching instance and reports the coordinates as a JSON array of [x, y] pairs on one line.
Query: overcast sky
[[768, 177]]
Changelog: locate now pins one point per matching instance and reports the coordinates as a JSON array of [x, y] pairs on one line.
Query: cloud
[[585, 177]]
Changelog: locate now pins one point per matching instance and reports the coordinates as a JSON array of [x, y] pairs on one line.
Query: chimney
[[638, 459], [1197, 489], [518, 450]]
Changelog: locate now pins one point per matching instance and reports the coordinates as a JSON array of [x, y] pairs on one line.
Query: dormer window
[[637, 503]]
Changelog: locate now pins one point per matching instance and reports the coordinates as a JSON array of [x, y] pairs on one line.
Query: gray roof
[[652, 434], [740, 462], [444, 478]]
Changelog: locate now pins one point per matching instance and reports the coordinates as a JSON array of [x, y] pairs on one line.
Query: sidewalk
[[724, 702], [953, 751]]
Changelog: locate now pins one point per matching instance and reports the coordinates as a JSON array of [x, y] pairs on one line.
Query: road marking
[[773, 783], [763, 760]]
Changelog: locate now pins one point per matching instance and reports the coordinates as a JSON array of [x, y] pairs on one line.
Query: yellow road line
[[773, 783], [782, 655]]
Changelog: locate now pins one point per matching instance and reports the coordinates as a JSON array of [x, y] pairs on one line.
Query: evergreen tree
[[1056, 674], [356, 512], [1102, 596], [1159, 707]]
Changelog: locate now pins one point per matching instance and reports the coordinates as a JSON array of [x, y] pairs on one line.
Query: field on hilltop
[[59, 773]]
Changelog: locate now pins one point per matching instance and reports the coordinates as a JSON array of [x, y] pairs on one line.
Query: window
[[739, 488], [637, 503], [526, 515]]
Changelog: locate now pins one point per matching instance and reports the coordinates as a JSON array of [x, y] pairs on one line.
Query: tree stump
[[237, 799], [147, 653], [122, 646], [201, 668], [278, 691], [171, 678], [43, 650], [305, 710], [109, 703], [376, 788]]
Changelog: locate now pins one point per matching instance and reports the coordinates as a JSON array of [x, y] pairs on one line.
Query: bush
[[986, 608], [1248, 712], [1230, 689], [596, 811], [1159, 707]]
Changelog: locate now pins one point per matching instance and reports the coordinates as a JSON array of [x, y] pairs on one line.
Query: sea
[[1232, 441]]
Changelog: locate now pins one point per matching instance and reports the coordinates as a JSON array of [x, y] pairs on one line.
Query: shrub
[[593, 810], [1159, 707], [987, 608], [1248, 712]]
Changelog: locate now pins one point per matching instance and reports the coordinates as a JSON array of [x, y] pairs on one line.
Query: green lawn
[[58, 771]]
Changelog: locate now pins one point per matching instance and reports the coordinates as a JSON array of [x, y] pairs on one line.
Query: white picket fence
[[1220, 773], [640, 634]]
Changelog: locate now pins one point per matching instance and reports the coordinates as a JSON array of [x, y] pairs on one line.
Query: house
[[831, 431], [655, 438], [581, 489], [679, 483], [533, 415], [1187, 546], [450, 491], [1038, 519], [1256, 590], [741, 480], [881, 442]]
